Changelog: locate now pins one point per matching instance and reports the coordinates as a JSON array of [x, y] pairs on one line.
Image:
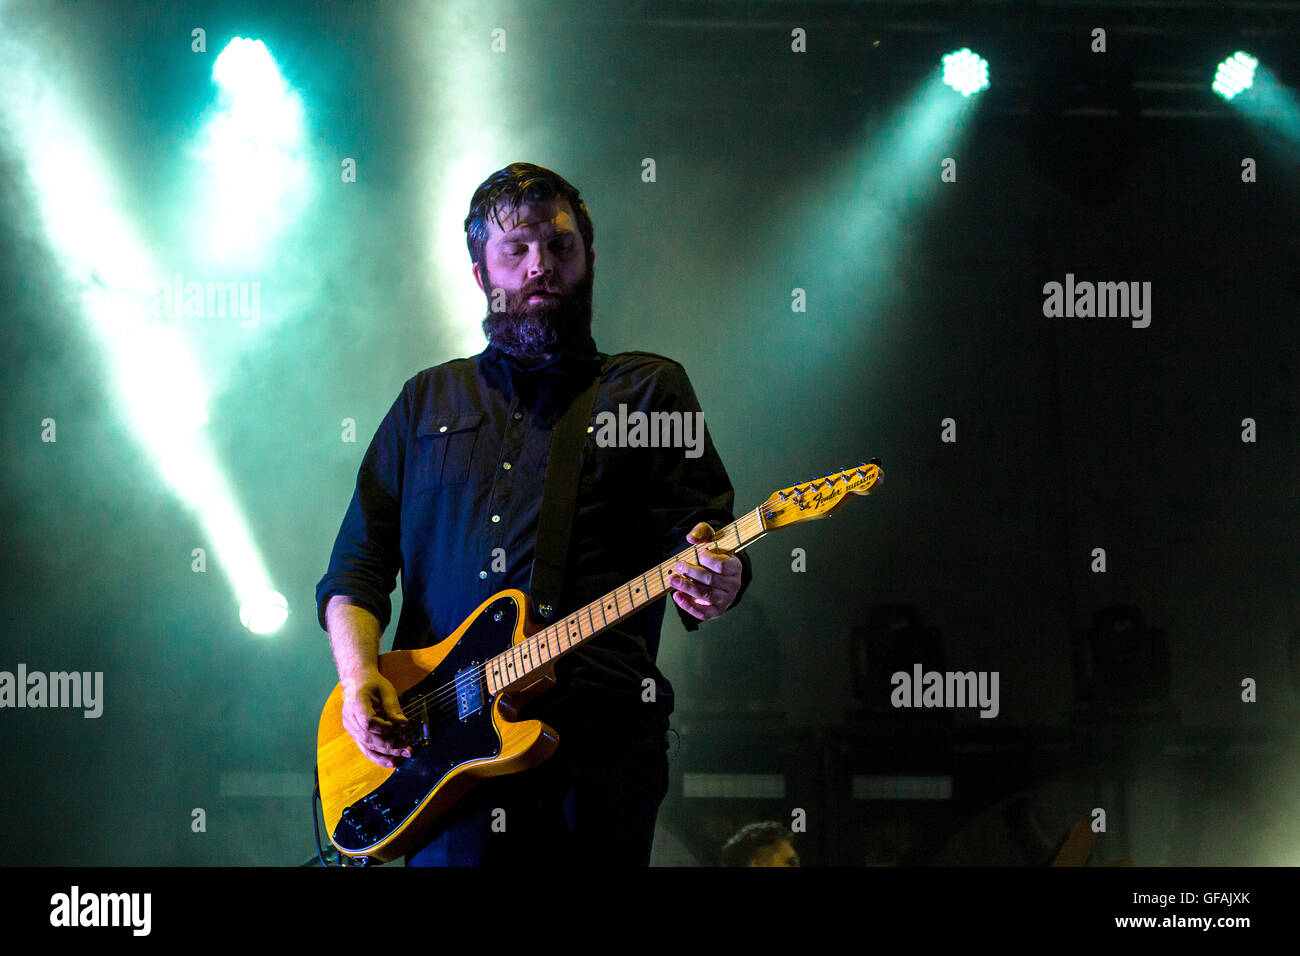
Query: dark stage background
[[774, 170]]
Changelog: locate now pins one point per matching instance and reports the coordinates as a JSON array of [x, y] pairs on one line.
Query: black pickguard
[[452, 742]]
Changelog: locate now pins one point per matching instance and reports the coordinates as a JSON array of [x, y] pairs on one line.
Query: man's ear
[[479, 278]]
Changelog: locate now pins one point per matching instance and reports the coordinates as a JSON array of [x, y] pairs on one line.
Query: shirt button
[[506, 466], [443, 428], [496, 518], [482, 574], [518, 415]]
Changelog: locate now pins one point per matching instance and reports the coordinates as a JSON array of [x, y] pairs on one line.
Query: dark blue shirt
[[449, 493]]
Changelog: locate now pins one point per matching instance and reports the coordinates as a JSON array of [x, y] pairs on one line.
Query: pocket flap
[[444, 424]]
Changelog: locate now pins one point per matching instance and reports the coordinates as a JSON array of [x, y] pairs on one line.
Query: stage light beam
[[1254, 91], [255, 175], [162, 396], [476, 131]]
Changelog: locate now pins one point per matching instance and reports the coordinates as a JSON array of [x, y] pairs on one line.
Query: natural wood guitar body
[[488, 743]]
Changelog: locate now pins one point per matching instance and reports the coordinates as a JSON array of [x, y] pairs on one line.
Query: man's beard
[[533, 330]]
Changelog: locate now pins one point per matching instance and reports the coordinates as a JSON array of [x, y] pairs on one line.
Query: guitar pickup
[[469, 692]]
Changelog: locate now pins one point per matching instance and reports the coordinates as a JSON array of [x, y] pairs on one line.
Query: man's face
[[778, 854], [538, 261]]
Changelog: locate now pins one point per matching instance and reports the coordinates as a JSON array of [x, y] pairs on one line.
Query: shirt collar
[[577, 358], [546, 389]]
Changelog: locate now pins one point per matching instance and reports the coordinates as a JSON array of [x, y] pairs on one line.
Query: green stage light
[[966, 72], [255, 172], [1235, 75], [161, 394], [264, 613]]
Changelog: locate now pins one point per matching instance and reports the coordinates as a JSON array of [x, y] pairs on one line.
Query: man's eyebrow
[[531, 226]]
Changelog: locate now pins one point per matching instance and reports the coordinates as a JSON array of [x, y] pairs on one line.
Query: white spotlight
[[1235, 75], [966, 72]]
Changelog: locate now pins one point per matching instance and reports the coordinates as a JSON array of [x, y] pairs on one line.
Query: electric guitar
[[463, 694]]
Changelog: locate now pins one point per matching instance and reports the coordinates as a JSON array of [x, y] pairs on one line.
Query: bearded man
[[449, 493]]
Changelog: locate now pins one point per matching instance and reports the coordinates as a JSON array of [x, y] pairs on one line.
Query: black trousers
[[593, 803]]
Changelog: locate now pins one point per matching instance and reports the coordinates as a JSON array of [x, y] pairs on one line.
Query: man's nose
[[541, 263]]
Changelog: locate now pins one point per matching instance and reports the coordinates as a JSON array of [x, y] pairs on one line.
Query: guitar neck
[[523, 662]]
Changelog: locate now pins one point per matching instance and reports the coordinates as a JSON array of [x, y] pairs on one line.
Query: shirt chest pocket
[[444, 450]]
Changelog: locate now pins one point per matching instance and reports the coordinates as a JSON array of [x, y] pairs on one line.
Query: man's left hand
[[706, 592]]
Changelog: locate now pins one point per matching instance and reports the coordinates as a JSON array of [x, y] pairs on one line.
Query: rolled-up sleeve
[[686, 490], [367, 552]]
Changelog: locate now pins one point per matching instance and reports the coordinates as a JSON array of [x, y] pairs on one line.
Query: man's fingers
[[711, 560], [701, 532], [378, 727], [373, 734], [364, 720], [717, 560], [380, 744], [378, 758], [698, 587], [702, 612], [695, 590], [693, 572], [687, 605], [392, 706], [385, 737]]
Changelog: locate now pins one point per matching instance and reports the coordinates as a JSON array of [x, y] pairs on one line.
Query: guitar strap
[[559, 498]]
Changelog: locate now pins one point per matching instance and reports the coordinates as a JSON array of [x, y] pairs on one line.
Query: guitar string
[[444, 698], [449, 691]]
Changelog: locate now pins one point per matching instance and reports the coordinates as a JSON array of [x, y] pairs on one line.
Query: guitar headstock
[[821, 496]]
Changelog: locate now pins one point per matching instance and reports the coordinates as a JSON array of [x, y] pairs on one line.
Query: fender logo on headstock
[[822, 496]]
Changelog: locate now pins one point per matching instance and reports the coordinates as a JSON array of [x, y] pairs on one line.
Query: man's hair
[[506, 190], [753, 837]]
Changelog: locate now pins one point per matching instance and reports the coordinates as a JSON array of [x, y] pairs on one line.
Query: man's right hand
[[373, 718]]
